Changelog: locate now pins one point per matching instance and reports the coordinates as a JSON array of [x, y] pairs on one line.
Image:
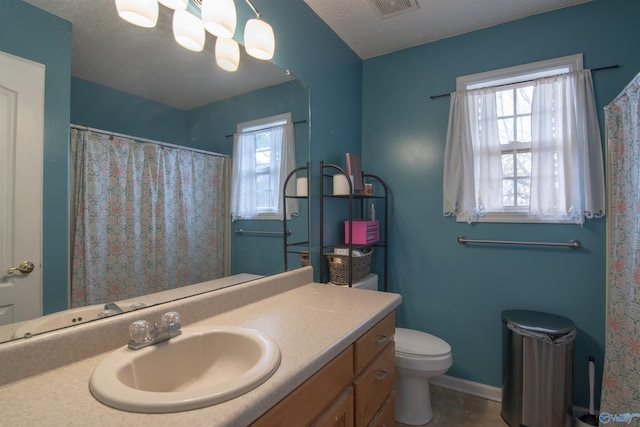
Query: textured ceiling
[[358, 23], [148, 63]]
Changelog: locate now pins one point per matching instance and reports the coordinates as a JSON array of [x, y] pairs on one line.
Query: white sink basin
[[202, 367]]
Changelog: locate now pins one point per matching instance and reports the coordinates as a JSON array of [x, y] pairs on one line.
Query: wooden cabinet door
[[340, 414], [316, 394], [386, 416], [332, 398], [373, 341], [374, 384]]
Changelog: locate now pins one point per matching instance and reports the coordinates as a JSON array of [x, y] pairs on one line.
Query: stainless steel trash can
[[537, 369]]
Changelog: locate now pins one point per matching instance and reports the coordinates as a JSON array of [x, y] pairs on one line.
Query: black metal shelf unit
[[297, 247], [380, 193]]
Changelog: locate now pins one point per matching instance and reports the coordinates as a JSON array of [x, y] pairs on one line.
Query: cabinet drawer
[[340, 414], [315, 395], [386, 416], [374, 384], [370, 344]]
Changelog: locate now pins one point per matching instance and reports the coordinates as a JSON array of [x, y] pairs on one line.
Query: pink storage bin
[[364, 231]]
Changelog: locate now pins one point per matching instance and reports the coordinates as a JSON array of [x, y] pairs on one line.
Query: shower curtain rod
[[149, 141], [295, 123], [444, 95]]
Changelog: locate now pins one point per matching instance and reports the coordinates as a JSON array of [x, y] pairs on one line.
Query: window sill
[[515, 218]]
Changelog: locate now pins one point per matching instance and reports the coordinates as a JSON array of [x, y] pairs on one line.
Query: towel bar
[[573, 244], [262, 233]]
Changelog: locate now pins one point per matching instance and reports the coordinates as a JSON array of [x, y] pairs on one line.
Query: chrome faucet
[[110, 309], [144, 334]]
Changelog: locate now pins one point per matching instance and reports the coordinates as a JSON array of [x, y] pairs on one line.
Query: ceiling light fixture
[[218, 17], [143, 13], [227, 54], [188, 30], [175, 4], [259, 40]]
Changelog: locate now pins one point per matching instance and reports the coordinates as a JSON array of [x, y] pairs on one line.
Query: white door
[[21, 148]]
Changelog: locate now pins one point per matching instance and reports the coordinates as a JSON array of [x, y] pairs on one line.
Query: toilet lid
[[410, 341]]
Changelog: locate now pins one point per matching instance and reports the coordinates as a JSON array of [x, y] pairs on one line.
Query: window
[[514, 128], [263, 155], [517, 145]]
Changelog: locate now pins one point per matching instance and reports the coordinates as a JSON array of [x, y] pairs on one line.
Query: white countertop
[[312, 323]]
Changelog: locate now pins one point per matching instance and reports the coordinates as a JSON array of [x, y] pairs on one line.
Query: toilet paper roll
[[301, 187], [341, 185]]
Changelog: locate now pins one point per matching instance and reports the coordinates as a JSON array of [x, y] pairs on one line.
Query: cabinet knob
[[383, 375], [382, 339]]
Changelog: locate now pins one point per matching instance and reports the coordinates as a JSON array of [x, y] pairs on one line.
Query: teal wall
[[211, 127], [458, 292], [333, 72], [31, 33], [100, 107]]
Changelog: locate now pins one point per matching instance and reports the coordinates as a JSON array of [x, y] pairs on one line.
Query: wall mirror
[[114, 54]]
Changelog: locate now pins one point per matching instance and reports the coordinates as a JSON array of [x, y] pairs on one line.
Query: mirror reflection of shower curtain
[[148, 218], [621, 375]]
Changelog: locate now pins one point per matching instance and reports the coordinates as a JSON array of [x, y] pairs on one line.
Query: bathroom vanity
[[337, 364], [362, 377]]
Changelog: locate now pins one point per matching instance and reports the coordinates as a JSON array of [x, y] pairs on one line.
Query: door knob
[[25, 267]]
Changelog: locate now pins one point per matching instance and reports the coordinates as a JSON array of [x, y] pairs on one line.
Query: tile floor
[[453, 409]]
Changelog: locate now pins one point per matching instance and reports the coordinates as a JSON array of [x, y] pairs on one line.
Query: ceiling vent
[[388, 8]]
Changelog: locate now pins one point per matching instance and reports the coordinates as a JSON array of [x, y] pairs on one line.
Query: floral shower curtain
[[621, 377], [147, 217]]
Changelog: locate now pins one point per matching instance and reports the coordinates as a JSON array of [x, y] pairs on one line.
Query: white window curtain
[[567, 177], [243, 194]]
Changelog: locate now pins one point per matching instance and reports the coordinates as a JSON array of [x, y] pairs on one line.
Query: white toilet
[[419, 357]]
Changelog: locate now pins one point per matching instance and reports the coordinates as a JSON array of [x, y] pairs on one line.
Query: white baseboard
[[468, 387], [484, 391]]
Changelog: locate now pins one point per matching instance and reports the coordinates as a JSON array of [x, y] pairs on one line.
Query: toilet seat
[[421, 351]]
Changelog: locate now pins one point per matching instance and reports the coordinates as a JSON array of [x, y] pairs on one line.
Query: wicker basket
[[339, 267], [304, 258]]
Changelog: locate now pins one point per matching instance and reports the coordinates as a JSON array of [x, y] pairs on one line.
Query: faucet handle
[[137, 306], [140, 332], [170, 318]]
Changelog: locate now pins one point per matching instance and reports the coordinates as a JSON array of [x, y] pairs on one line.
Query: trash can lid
[[538, 321]]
